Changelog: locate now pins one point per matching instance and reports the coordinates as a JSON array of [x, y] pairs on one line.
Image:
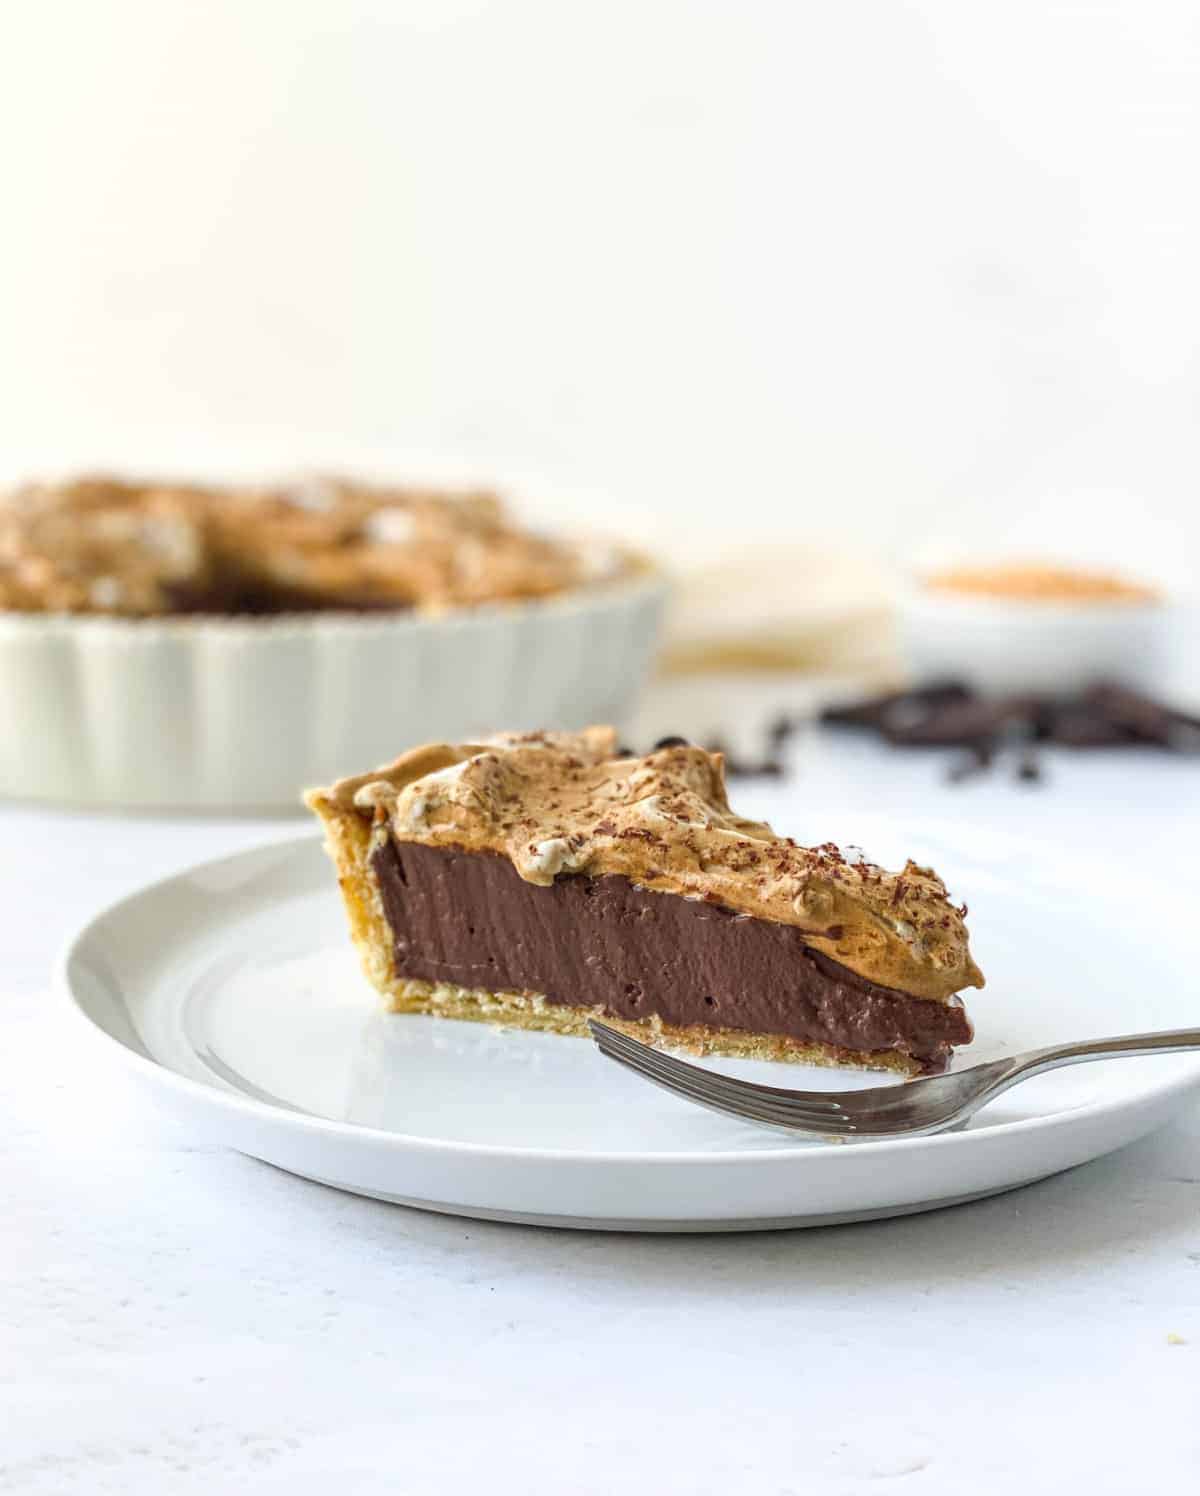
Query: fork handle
[[1166, 1041]]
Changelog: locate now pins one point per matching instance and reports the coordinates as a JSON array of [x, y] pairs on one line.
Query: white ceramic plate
[[232, 992]]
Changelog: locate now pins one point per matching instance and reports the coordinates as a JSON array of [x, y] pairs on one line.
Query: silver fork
[[912, 1109]]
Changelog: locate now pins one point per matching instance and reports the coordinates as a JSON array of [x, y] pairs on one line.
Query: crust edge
[[532, 1010]]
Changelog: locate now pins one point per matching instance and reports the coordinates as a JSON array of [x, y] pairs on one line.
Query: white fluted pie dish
[[245, 712]]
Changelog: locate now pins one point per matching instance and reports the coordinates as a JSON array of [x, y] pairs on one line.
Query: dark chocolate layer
[[468, 918]]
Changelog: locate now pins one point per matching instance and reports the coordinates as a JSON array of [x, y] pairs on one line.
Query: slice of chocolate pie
[[537, 880]]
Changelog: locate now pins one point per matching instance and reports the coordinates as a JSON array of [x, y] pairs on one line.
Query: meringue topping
[[100, 545]]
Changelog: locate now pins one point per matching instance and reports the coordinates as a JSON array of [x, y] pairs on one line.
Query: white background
[[853, 272]]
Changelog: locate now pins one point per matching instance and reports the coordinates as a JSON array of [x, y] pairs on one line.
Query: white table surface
[[177, 1318]]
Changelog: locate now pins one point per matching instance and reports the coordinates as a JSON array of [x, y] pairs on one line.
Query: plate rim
[[156, 1071]]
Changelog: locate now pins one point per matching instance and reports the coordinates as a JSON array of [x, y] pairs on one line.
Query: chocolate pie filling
[[470, 919]]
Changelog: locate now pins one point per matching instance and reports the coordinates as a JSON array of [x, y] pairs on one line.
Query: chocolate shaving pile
[[949, 714]]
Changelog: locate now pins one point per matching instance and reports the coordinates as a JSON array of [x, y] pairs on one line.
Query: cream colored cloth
[[783, 608]]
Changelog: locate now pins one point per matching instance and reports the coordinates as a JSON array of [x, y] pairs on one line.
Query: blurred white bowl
[[242, 713], [1006, 645]]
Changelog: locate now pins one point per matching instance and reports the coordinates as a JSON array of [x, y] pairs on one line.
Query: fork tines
[[796, 1111]]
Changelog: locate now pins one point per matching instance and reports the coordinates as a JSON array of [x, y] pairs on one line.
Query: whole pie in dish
[[103, 545], [537, 880]]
